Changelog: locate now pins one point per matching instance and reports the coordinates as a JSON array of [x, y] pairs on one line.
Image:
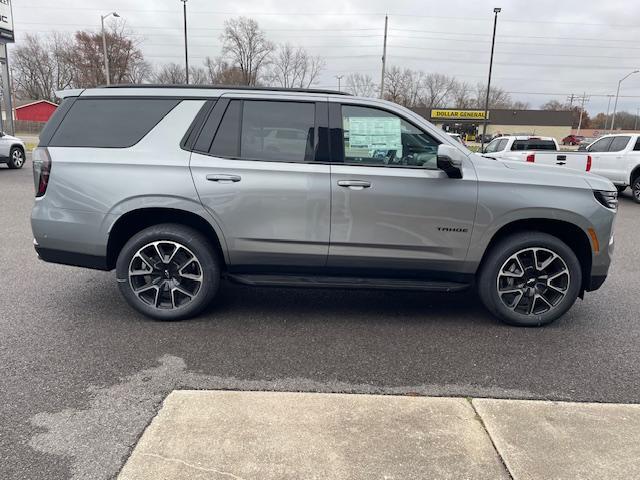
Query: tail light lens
[[588, 163], [531, 158], [41, 170]]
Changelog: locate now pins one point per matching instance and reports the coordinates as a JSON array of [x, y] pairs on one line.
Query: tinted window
[[601, 145], [376, 137], [278, 131], [636, 147], [227, 140], [533, 144], [618, 144], [110, 123]]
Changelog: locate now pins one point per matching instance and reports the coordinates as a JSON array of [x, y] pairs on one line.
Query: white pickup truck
[[617, 157], [542, 150]]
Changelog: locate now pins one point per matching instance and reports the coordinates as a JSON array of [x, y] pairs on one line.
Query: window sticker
[[372, 136]]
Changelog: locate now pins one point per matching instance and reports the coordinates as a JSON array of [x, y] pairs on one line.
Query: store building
[[546, 123]]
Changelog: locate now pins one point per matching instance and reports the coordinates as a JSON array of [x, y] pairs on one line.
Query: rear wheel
[[635, 189], [530, 279], [16, 158], [168, 272]]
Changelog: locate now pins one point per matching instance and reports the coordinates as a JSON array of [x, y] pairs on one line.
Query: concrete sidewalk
[[260, 435]]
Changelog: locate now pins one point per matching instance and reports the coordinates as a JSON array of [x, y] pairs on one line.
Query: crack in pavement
[[98, 440], [195, 467]]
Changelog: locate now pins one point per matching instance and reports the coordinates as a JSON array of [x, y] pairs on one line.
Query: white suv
[[12, 151], [617, 157]]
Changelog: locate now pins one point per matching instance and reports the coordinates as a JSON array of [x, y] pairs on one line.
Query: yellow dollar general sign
[[458, 114]]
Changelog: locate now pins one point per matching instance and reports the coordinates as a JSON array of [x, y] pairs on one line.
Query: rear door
[[255, 168], [392, 209], [608, 157]]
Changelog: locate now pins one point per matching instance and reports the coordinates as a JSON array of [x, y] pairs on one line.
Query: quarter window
[[110, 122], [601, 145], [379, 138], [619, 143]]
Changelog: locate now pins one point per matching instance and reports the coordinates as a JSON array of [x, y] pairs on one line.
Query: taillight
[[531, 158], [41, 170], [588, 163]]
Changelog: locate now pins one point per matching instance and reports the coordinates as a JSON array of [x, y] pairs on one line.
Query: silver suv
[[176, 188]]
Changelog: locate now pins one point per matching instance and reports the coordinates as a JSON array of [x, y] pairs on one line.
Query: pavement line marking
[[190, 465], [493, 444]]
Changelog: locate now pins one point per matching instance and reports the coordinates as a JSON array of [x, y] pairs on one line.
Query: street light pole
[[615, 105], [186, 47], [496, 11], [104, 46], [339, 77]]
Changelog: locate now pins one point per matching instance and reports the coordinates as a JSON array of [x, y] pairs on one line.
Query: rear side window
[[601, 145], [110, 123], [618, 144], [278, 131], [533, 144], [636, 147], [227, 140]]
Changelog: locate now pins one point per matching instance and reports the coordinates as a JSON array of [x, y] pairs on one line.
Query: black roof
[[231, 87]]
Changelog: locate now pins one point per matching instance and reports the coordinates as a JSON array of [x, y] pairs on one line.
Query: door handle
[[222, 178], [354, 184]]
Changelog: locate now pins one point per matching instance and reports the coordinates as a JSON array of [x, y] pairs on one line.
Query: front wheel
[[530, 279], [168, 272], [16, 158]]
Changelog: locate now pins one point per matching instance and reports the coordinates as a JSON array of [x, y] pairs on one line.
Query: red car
[[572, 140]]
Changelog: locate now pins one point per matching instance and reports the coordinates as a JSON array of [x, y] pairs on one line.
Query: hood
[[534, 173], [11, 138]]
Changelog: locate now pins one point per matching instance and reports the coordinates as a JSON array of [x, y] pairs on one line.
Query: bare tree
[[39, 67], [294, 68], [555, 105], [198, 75], [498, 98], [86, 56], [437, 89], [361, 85], [140, 71], [403, 86], [462, 95], [220, 72], [247, 47], [170, 74]]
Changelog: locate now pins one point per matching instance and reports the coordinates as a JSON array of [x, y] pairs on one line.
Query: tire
[[500, 270], [16, 158], [168, 272], [621, 188], [635, 189]]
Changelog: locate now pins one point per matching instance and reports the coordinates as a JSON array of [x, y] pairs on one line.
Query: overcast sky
[[544, 49]]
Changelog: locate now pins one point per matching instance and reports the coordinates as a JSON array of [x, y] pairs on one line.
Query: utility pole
[[635, 125], [186, 46], [384, 57], [496, 11], [339, 77], [570, 99], [583, 100], [104, 46]]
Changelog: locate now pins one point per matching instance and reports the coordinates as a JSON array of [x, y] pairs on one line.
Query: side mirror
[[450, 160]]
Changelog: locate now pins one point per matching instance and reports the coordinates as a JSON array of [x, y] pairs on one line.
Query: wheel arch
[[635, 173], [137, 220], [575, 238]]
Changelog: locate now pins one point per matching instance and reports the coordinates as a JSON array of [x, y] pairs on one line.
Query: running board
[[346, 282]]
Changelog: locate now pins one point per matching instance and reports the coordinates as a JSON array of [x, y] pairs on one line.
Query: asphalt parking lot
[[82, 374]]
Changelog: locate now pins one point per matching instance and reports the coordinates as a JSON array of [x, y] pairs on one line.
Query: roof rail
[[231, 87]]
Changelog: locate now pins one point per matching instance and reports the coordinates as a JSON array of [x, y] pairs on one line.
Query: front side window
[[278, 131], [619, 143], [601, 145], [379, 138], [492, 147]]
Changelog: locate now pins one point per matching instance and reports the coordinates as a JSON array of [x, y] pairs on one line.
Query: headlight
[[607, 199]]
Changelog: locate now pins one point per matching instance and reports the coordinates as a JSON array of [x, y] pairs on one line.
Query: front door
[[254, 169], [392, 209]]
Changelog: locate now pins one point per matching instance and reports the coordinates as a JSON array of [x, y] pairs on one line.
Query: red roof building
[[39, 111]]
